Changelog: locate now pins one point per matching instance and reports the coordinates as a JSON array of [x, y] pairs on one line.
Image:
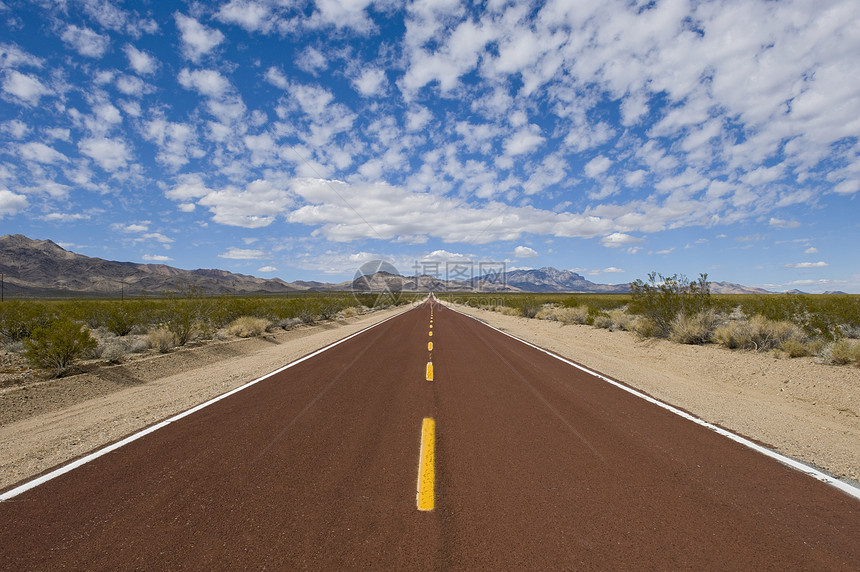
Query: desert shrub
[[508, 311], [759, 333], [796, 348], [113, 351], [59, 345], [842, 352], [247, 327], [19, 319], [351, 311], [574, 315], [161, 339], [602, 320], [547, 312], [663, 298], [695, 328], [121, 318]]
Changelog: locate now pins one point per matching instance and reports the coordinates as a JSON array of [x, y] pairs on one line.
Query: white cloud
[[11, 203], [811, 250], [110, 154], [41, 153], [190, 186], [525, 140], [386, 211], [197, 39], [267, 269], [209, 83], [85, 41], [597, 166], [23, 87], [65, 217], [140, 61], [780, 223], [312, 60], [255, 206], [250, 15], [819, 264], [156, 258], [525, 252], [370, 82], [277, 78], [619, 239], [234, 253]]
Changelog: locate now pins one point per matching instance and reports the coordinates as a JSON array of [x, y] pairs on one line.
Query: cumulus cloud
[[524, 252], [41, 153], [111, 154], [255, 206], [819, 264], [619, 239], [250, 15], [197, 40], [85, 41], [156, 258], [234, 253], [25, 88], [11, 203], [141, 62]]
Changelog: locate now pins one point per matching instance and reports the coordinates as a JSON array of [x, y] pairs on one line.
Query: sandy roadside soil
[[807, 411], [45, 424]]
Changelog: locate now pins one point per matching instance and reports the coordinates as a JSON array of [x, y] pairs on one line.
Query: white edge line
[[794, 464], [134, 437]]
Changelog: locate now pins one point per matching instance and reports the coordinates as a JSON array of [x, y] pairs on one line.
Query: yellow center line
[[431, 333], [429, 346], [426, 498], [429, 375]]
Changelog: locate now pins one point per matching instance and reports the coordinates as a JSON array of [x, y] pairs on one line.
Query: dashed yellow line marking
[[426, 497], [429, 375], [431, 333], [429, 346]]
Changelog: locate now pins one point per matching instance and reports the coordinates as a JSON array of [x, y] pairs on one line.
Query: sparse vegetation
[[247, 326], [58, 345], [118, 328], [826, 326]]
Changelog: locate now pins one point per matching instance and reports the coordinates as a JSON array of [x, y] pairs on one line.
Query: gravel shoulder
[[807, 411], [46, 423]]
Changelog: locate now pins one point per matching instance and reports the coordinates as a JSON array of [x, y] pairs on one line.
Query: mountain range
[[42, 268]]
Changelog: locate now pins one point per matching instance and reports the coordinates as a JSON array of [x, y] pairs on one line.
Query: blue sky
[[300, 139]]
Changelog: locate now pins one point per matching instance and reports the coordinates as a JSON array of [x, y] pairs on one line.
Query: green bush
[[19, 319], [663, 298], [59, 345]]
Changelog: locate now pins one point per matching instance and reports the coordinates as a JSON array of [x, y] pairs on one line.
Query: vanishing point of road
[[431, 441]]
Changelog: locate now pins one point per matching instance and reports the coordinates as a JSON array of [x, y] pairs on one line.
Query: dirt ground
[[805, 410]]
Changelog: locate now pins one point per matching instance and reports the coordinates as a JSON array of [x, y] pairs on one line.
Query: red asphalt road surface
[[538, 466]]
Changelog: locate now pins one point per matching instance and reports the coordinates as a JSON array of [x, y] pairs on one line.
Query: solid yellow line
[[429, 371], [429, 346], [426, 497]]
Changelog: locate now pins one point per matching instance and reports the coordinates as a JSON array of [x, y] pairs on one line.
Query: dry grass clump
[[507, 311], [759, 333], [842, 352], [695, 328], [247, 327], [567, 316], [614, 320], [161, 339], [351, 312]]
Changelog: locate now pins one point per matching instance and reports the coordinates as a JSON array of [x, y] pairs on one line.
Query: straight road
[[528, 463]]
